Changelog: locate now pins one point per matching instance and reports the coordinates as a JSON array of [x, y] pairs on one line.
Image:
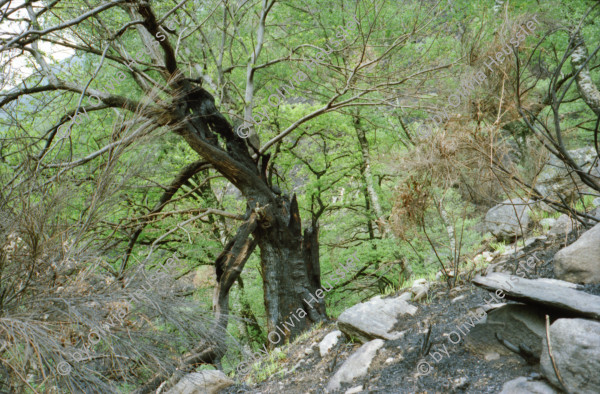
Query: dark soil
[[395, 368]]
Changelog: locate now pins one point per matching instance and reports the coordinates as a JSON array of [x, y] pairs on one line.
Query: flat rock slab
[[356, 366], [375, 318], [555, 294]]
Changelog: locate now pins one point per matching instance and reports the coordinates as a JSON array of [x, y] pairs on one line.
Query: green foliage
[[538, 214], [584, 203], [499, 247]]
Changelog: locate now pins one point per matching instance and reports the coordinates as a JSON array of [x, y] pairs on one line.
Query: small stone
[[454, 291], [491, 356], [356, 366], [420, 289], [405, 296], [420, 294], [329, 342], [460, 382], [489, 307], [389, 360], [354, 390], [462, 297], [208, 381]]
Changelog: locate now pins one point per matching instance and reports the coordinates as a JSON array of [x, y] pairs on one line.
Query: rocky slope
[[489, 334]]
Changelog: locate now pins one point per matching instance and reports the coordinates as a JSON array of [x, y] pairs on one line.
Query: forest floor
[[394, 369]]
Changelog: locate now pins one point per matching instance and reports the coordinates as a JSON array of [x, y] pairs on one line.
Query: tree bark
[[291, 274], [579, 60], [367, 175], [290, 265], [229, 266]]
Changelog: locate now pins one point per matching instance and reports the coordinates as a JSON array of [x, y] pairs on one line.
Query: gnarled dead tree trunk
[[290, 272]]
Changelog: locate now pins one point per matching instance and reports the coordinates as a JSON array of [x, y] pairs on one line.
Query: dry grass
[[56, 286]]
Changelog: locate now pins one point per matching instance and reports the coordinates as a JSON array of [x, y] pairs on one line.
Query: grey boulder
[[576, 349], [509, 220], [562, 226], [580, 261], [555, 180]]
